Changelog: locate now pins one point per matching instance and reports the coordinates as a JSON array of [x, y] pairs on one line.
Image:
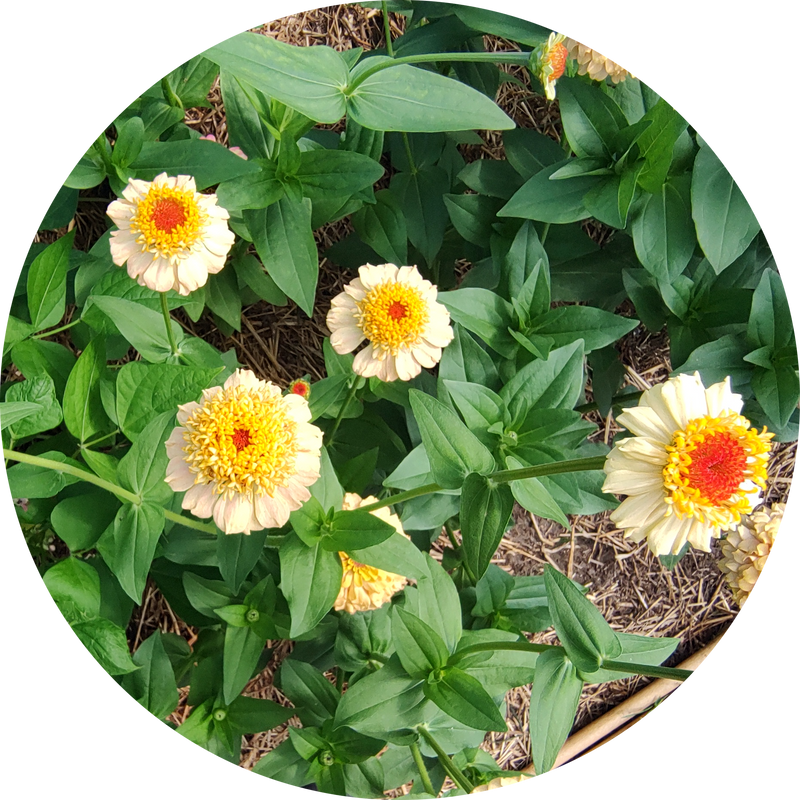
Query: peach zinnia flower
[[244, 455], [367, 588], [594, 64], [552, 62], [170, 235], [692, 469], [745, 550], [395, 310]]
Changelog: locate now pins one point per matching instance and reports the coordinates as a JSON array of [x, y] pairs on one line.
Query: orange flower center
[[557, 59], [168, 214], [393, 315], [300, 387], [397, 310], [241, 438], [718, 466]]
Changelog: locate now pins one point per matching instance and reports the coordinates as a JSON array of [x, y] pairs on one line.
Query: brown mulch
[[635, 593]]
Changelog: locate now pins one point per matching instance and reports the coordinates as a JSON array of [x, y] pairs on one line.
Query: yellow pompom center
[[168, 220], [242, 439], [393, 315]]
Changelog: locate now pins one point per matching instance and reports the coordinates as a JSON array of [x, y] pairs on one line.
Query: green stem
[[339, 679], [510, 57], [624, 400], [338, 421], [455, 774], [93, 442], [401, 497], [553, 468], [423, 772], [274, 541], [75, 472], [671, 673], [379, 657], [409, 155], [168, 321], [387, 29], [190, 522], [54, 331]]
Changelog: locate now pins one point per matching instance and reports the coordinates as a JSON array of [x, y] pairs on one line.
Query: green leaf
[[61, 210], [284, 764], [192, 81], [420, 197], [253, 715], [499, 670], [237, 555], [207, 162], [485, 511], [657, 143], [480, 407], [242, 649], [596, 327], [503, 25], [75, 589], [463, 698], [47, 283], [83, 410], [662, 228], [453, 450], [311, 693], [719, 359], [584, 634], [531, 494], [12, 412], [34, 357], [251, 273], [725, 222], [546, 200], [555, 693], [252, 190], [327, 489], [405, 98], [556, 382], [141, 326], [309, 79], [637, 650], [26, 480], [493, 178], [40, 393], [325, 172], [396, 554], [356, 530], [529, 151], [129, 546], [285, 244], [419, 648], [482, 312], [591, 118], [770, 323], [224, 299], [80, 521], [383, 704], [310, 581], [16, 331], [245, 128], [154, 684], [144, 466], [130, 138], [146, 389], [107, 643], [383, 227], [777, 390], [473, 215], [206, 595]]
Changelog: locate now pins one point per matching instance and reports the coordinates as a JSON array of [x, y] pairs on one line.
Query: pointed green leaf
[[485, 511], [47, 283]]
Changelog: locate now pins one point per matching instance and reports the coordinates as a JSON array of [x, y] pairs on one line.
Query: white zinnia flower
[[395, 310], [692, 469], [170, 235], [244, 455], [366, 588], [594, 64]]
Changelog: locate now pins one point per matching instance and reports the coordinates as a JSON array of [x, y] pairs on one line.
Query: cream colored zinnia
[[499, 783], [169, 235], [395, 310], [745, 550], [593, 64], [367, 588], [692, 469], [245, 455]]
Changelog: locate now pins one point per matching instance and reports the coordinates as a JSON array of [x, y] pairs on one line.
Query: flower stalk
[[421, 768], [449, 766], [173, 345]]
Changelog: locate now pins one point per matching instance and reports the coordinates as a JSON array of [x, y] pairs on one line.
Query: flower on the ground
[[594, 64], [693, 468], [367, 588], [301, 387], [498, 783], [244, 455], [552, 59], [395, 310], [169, 235], [745, 550], [236, 150]]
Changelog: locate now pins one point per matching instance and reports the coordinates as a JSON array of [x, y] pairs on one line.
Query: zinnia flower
[[745, 550], [301, 387], [692, 469], [552, 60], [244, 455], [170, 235], [593, 64], [395, 310], [366, 588]]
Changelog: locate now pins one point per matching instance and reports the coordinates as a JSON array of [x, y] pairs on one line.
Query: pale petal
[[179, 476], [346, 339]]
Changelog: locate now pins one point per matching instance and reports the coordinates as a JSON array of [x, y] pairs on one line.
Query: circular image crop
[[399, 398]]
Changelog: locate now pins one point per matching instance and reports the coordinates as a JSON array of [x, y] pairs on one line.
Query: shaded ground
[[631, 587]]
